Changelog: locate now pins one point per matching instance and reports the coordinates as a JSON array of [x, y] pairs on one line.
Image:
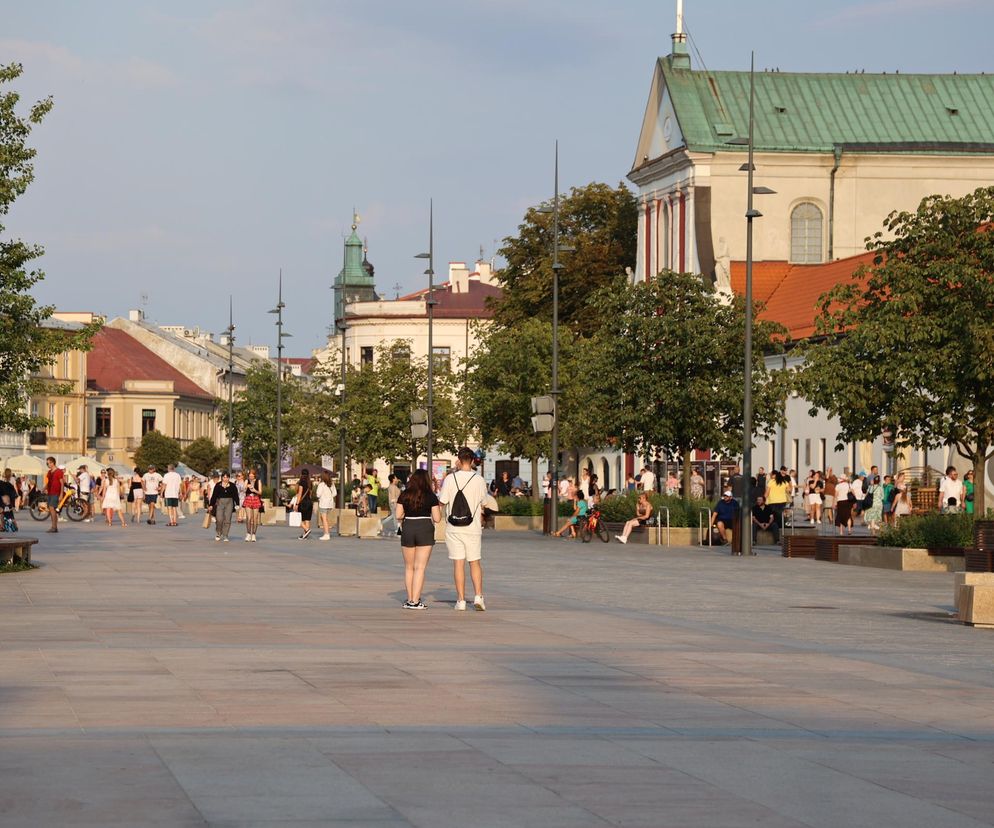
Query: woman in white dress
[[112, 499]]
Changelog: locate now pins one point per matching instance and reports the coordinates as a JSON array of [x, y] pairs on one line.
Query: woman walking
[[968, 491], [843, 506], [224, 499], [242, 487], [194, 495], [815, 488], [873, 515], [778, 493], [252, 503], [136, 495], [418, 511], [304, 504], [111, 498], [902, 497], [326, 502]]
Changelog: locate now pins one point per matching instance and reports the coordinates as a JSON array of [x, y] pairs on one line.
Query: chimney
[[136, 316], [679, 56], [485, 272], [458, 277]]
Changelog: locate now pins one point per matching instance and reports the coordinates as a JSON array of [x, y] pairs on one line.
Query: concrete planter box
[[517, 523], [273, 515], [678, 535], [968, 579], [900, 559]]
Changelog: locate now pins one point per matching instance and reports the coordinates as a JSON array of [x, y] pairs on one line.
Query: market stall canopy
[[24, 464], [313, 469], [92, 465], [184, 470]]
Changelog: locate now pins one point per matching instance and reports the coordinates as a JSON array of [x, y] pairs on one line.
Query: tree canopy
[[254, 416], [670, 354], [908, 345], [601, 224], [29, 342], [157, 450], [203, 456]]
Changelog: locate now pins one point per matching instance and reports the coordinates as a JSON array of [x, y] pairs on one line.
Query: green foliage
[[908, 345], [511, 367], [254, 416], [526, 507], [670, 355], [601, 224], [27, 344], [203, 456], [157, 450], [621, 507], [934, 531]]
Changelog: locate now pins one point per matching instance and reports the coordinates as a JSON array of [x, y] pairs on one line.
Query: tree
[[908, 346], [601, 224], [508, 370], [157, 450], [670, 356], [28, 343], [254, 416], [203, 456]]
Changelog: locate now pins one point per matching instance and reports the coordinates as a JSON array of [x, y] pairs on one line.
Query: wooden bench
[[16, 549], [798, 545], [827, 546]]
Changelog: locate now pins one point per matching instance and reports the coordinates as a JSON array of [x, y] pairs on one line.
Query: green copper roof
[[815, 112], [352, 272]]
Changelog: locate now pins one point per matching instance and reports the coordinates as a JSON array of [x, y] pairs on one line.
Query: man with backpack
[[462, 494]]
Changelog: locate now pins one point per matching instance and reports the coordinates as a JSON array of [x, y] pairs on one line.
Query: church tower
[[354, 282]]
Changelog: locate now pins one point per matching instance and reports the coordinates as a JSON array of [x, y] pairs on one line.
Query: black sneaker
[[415, 605]]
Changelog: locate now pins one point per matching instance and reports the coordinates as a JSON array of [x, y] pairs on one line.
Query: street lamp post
[[341, 416], [556, 266], [430, 272], [280, 336], [230, 331]]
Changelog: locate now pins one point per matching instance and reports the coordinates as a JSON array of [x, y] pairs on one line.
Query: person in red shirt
[[54, 479]]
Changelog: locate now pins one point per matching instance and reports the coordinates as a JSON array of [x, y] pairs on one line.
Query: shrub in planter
[[526, 507], [621, 507], [933, 531]]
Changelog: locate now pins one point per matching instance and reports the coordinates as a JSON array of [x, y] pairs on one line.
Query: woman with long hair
[[418, 511], [111, 498], [778, 493], [136, 495], [304, 504], [252, 503], [326, 502]]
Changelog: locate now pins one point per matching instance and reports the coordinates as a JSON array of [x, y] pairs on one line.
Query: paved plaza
[[150, 676]]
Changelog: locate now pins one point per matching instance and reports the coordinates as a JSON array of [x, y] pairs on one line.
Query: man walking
[[647, 480], [462, 493], [171, 484], [54, 479], [389, 525], [85, 483], [151, 483]]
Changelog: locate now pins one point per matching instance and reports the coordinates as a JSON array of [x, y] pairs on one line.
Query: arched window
[[806, 233]]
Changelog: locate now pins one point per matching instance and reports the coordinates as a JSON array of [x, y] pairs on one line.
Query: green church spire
[[354, 280]]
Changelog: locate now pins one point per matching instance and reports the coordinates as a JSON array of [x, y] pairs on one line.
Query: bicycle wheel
[[602, 532], [39, 510], [75, 510], [585, 533]]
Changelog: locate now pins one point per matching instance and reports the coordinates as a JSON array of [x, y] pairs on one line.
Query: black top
[[427, 504], [220, 491], [9, 490], [502, 487], [762, 514]]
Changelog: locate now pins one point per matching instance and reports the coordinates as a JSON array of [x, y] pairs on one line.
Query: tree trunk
[[980, 458], [685, 455], [536, 483]]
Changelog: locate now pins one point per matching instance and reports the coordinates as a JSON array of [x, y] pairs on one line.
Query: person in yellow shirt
[[778, 494]]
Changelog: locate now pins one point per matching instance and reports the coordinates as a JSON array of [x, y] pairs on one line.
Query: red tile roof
[[117, 357], [459, 305], [765, 277], [792, 301]]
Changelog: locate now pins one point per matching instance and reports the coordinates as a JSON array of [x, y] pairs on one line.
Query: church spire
[[679, 56]]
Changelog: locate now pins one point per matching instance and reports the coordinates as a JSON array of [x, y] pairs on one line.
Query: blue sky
[[197, 147]]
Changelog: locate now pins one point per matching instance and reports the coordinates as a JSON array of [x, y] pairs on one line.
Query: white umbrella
[[24, 464], [93, 466]]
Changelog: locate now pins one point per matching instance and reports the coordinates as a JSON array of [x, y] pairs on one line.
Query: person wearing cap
[[724, 514]]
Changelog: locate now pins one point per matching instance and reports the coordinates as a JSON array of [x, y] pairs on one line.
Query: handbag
[[294, 519], [207, 518]]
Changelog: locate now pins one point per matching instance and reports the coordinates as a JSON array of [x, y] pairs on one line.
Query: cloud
[[889, 8], [53, 64]]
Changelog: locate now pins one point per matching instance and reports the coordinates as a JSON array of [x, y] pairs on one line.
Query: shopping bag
[[207, 519], [293, 519]]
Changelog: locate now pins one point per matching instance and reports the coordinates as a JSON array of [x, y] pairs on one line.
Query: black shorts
[[417, 532], [306, 508], [151, 498]]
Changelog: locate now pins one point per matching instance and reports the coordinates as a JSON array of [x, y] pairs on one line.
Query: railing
[[659, 527], [704, 511]]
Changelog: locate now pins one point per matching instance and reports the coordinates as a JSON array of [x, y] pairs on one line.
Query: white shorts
[[463, 547]]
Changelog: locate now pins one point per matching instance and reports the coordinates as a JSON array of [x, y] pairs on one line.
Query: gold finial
[[355, 219]]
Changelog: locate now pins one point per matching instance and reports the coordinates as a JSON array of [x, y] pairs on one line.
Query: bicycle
[[73, 505], [594, 525]]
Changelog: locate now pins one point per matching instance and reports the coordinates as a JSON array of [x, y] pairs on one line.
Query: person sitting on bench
[[764, 519], [725, 511], [643, 511]]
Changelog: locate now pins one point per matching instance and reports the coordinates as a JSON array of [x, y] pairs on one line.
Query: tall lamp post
[[341, 418], [230, 331], [751, 214], [430, 272], [280, 336]]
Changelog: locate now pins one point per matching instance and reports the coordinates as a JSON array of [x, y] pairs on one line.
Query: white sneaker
[[460, 605], [217, 539], [253, 537], [248, 539], [325, 536], [478, 604], [224, 539], [619, 538]]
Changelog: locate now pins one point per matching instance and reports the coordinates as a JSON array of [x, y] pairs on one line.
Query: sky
[[196, 148]]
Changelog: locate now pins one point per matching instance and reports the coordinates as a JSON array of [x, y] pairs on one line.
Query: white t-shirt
[[950, 488], [326, 495], [150, 482], [648, 481], [857, 487], [173, 482], [84, 483], [842, 491], [475, 490]]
